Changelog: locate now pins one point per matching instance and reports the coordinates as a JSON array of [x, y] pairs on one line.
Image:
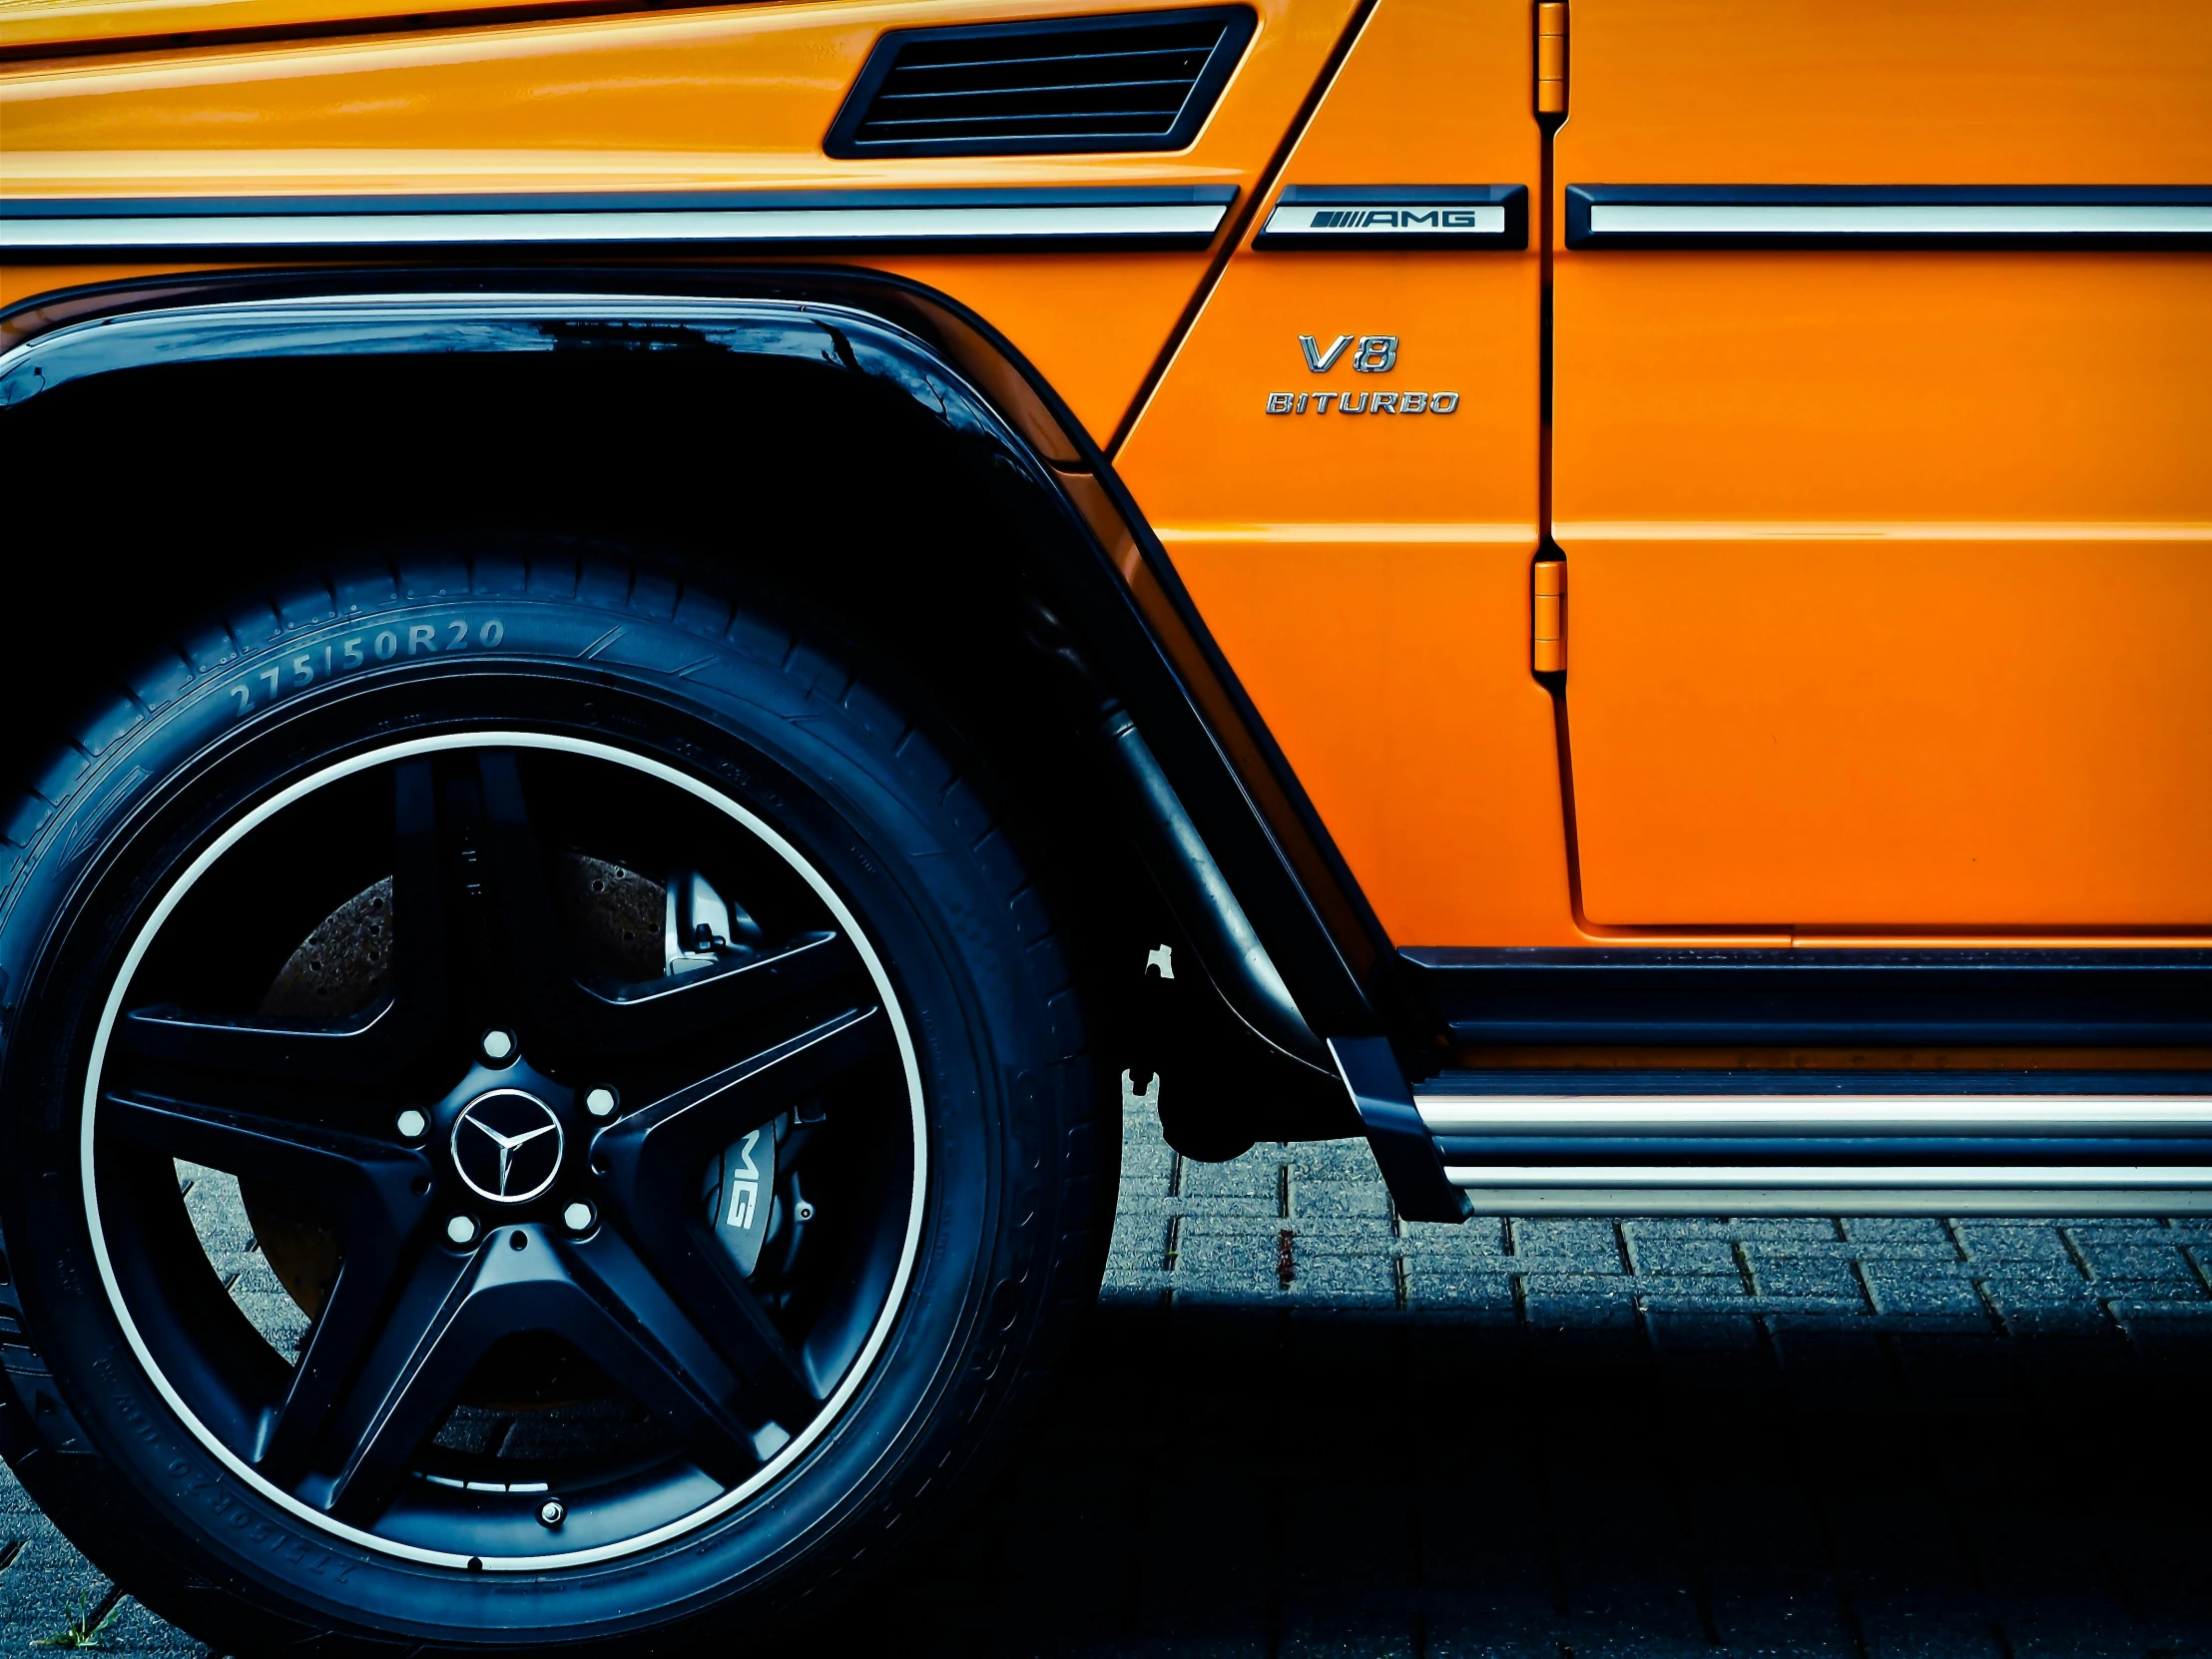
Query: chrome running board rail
[[1800, 1145]]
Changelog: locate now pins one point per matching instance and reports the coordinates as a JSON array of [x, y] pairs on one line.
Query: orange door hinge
[[1551, 57], [1550, 652]]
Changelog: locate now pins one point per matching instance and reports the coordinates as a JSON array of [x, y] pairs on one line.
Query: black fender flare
[[1290, 947]]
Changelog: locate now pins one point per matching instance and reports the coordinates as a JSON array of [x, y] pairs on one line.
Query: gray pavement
[[1300, 1426]]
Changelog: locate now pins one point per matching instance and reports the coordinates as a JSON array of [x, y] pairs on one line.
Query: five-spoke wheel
[[541, 1180]]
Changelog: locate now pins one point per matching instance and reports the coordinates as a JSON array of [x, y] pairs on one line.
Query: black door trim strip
[[1820, 997]]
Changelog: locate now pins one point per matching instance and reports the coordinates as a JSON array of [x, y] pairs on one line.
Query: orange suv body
[[1616, 596]]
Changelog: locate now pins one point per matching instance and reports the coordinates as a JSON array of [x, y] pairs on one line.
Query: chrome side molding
[[1691, 1115], [1569, 1190], [1025, 219], [1899, 216]]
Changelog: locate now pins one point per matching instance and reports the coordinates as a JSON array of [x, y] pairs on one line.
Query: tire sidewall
[[212, 1543]]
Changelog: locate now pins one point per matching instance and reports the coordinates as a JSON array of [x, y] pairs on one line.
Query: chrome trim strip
[[1815, 1115], [1850, 1193], [1631, 219], [924, 217], [1866, 1177], [1718, 1188], [1896, 215]]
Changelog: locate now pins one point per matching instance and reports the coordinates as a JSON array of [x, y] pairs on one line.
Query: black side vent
[[1139, 81]]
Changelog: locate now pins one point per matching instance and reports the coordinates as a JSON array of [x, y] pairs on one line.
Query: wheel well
[[177, 487], [164, 492]]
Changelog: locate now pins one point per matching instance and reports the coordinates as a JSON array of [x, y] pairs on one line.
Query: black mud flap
[[1218, 1085]]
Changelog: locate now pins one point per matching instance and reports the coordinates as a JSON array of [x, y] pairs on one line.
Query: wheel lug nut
[[577, 1218], [413, 1124], [552, 1512], [804, 1210], [600, 1103], [461, 1229], [499, 1046]]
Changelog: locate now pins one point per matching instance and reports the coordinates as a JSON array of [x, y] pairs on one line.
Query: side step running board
[[1796, 1142]]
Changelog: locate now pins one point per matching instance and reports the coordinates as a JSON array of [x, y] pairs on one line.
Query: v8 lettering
[[1371, 353]]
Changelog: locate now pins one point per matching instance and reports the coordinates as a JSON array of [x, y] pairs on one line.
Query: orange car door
[[1883, 459]]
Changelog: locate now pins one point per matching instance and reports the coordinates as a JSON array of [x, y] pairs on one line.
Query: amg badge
[[1398, 217]]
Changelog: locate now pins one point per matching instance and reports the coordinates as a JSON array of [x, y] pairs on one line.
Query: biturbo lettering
[[1356, 402]]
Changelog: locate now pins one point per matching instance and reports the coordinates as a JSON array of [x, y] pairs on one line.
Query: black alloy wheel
[[504, 1147], [594, 1102]]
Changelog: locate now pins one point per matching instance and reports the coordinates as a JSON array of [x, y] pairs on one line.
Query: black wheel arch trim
[[1204, 772]]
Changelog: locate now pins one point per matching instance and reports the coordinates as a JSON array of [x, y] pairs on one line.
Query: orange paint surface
[[1368, 575], [1849, 731], [1891, 388], [1891, 91], [1207, 452], [723, 99], [654, 100], [1892, 572], [1394, 674], [50, 23]]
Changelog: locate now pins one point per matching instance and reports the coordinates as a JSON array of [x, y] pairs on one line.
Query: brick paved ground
[[1300, 1429]]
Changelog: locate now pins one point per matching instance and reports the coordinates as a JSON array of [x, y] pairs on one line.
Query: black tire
[[130, 1408]]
